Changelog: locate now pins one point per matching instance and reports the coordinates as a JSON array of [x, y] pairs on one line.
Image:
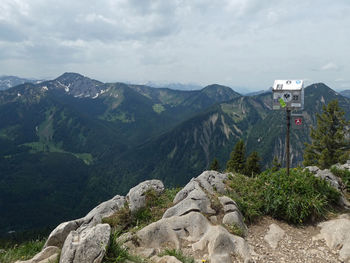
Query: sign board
[[297, 121], [288, 94]]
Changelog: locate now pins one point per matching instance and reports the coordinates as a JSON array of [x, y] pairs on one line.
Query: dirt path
[[297, 244]]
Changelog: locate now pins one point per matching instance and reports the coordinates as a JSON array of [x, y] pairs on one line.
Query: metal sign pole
[[288, 111]]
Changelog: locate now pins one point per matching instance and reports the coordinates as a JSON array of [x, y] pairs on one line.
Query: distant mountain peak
[[78, 85]]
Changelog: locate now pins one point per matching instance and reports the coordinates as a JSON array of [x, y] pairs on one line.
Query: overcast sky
[[244, 44]]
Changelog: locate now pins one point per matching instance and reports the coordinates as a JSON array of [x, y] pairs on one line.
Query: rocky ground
[[289, 243]]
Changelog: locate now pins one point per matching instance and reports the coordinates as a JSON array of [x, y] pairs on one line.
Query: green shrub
[[24, 251], [178, 254], [296, 198], [344, 175]]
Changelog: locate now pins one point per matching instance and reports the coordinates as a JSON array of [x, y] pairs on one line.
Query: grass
[[178, 254], [24, 251], [297, 198]]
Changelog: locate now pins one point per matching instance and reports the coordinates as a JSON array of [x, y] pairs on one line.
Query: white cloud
[[330, 66], [234, 42]]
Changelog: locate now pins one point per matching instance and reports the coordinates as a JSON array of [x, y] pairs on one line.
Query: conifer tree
[[276, 165], [215, 166], [252, 165], [328, 145], [237, 158]]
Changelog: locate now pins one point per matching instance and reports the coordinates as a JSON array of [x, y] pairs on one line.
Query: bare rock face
[[336, 233], [103, 210], [47, 255], [209, 181], [194, 228], [195, 201], [232, 214], [60, 233], [88, 246], [136, 196], [94, 217], [274, 235]]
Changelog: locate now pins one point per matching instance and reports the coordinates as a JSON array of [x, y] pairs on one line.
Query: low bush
[[297, 198]]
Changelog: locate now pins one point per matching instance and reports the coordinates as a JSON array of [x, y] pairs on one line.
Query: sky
[[244, 44]]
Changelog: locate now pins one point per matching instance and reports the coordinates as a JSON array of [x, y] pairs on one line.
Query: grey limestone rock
[[212, 181], [60, 233], [136, 196], [232, 214], [194, 228], [88, 246], [274, 235], [196, 200], [94, 217], [336, 234]]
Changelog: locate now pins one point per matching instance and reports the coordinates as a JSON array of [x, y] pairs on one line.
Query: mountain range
[[67, 144]]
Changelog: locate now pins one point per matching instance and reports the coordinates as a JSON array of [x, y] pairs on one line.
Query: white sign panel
[[288, 94]]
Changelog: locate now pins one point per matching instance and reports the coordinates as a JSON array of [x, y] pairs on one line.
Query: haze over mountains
[[68, 143]]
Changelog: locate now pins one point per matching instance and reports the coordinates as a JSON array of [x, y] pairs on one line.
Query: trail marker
[[288, 95]]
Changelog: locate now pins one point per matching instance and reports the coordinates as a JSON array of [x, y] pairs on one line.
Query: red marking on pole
[[298, 121]]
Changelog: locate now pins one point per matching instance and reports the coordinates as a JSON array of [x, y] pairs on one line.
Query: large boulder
[[336, 233], [94, 217], [47, 255], [136, 196], [88, 246]]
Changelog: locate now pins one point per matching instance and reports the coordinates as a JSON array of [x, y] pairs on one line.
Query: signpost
[[289, 95]]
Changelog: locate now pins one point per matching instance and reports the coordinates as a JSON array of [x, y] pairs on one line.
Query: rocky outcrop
[[136, 196], [94, 217], [336, 233], [186, 224], [88, 245], [196, 229]]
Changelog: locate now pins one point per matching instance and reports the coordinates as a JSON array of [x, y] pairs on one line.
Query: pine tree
[[252, 165], [328, 145], [215, 166], [276, 165], [237, 158]]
